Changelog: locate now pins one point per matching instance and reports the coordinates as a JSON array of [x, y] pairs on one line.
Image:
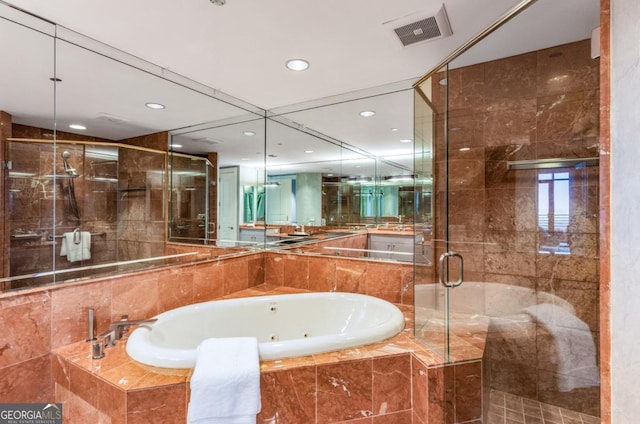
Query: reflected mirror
[[85, 194], [322, 165], [132, 129]]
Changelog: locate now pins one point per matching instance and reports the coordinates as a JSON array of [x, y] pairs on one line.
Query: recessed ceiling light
[[175, 146], [406, 140], [367, 113], [394, 129], [77, 127], [297, 64], [154, 105], [249, 133], [308, 151]]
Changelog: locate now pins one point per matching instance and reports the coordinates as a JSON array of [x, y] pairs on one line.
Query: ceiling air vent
[[417, 28], [103, 116]]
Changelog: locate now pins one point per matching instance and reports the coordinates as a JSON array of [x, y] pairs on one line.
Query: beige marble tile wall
[[35, 322], [543, 104]]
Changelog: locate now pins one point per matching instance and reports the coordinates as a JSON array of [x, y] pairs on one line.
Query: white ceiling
[[241, 49]]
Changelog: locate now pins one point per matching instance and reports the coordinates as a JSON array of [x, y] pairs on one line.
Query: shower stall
[[512, 146], [111, 193], [192, 202]]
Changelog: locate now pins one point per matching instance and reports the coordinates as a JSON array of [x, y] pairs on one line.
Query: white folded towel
[[225, 385], [76, 251]]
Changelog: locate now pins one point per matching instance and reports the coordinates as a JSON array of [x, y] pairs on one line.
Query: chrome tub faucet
[[120, 327]]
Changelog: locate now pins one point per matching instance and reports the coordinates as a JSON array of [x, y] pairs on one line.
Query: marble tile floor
[[506, 408]]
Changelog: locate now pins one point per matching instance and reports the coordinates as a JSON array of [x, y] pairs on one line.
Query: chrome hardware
[[109, 338], [118, 328], [124, 329], [52, 237], [91, 327], [445, 257], [77, 236], [97, 350]]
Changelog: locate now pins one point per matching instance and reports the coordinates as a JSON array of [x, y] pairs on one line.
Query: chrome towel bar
[[51, 237]]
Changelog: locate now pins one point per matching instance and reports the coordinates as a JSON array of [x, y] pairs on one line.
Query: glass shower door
[[521, 208]]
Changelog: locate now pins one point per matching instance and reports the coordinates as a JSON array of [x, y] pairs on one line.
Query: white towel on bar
[[225, 385], [76, 251]]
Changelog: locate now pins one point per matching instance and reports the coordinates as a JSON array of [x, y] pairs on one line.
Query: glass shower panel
[[522, 147], [27, 84], [189, 201], [431, 308]]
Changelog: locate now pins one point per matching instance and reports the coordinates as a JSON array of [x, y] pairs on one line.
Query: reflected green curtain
[[260, 204], [248, 204], [367, 202]]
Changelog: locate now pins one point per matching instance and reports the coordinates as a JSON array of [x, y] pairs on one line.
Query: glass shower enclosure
[[511, 142]]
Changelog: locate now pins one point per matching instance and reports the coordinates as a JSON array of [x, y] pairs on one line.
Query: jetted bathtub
[[285, 325]]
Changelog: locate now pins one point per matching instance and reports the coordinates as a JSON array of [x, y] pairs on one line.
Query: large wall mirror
[[331, 166], [110, 157], [85, 140]]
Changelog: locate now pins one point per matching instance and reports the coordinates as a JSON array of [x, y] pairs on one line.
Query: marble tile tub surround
[[56, 315], [35, 321], [542, 104], [395, 381]]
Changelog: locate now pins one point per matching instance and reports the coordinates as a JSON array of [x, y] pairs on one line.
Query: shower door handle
[[445, 258]]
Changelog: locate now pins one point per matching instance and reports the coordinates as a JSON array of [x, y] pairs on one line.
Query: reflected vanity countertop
[[258, 227], [321, 235], [391, 230]]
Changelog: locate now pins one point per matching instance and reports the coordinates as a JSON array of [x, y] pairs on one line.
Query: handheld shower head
[[70, 170]]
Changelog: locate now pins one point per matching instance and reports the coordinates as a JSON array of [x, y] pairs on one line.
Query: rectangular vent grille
[[103, 116], [419, 27], [416, 32]]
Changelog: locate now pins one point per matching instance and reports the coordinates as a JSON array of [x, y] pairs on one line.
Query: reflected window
[[553, 201], [554, 206]]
